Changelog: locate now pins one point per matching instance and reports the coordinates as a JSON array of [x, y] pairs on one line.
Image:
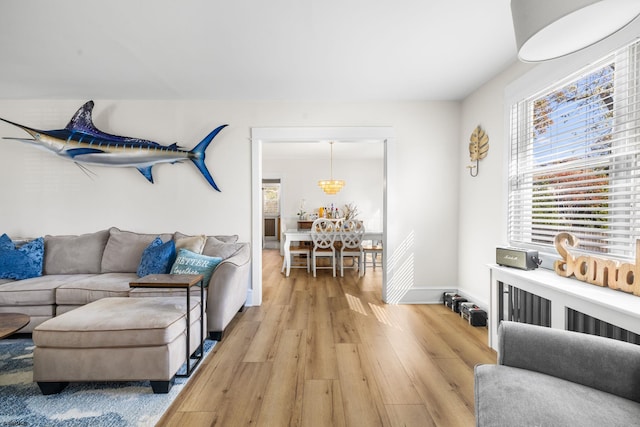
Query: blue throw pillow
[[22, 263], [6, 244], [189, 262], [157, 258]]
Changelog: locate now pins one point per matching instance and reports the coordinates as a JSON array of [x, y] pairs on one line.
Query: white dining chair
[[374, 249], [301, 250], [323, 234], [351, 233]]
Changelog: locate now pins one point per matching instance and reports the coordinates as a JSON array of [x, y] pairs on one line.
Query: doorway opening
[[260, 136]]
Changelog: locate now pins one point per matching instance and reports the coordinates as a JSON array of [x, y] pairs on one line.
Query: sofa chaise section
[[35, 297]]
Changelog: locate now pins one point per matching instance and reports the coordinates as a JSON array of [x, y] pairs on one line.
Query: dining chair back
[[323, 234], [351, 234]]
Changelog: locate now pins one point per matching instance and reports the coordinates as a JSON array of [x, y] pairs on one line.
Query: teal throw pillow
[[22, 263], [157, 258], [189, 262]]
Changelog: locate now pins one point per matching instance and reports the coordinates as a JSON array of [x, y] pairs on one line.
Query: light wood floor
[[329, 352]]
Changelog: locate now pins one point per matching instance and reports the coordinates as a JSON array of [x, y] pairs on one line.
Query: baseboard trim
[[434, 296], [423, 296], [482, 304]]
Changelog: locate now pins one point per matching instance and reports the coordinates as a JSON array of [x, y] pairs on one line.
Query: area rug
[[79, 404]]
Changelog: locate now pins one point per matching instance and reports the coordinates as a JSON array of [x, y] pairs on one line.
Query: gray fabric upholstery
[[232, 238], [124, 249], [50, 295], [74, 254], [222, 250], [215, 240], [118, 322], [35, 291], [550, 377], [227, 291], [508, 397], [584, 359], [115, 339], [94, 287]]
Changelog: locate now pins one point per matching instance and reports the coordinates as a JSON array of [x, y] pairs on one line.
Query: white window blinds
[[574, 159]]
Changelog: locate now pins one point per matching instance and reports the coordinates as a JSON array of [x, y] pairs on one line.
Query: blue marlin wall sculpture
[[81, 142]]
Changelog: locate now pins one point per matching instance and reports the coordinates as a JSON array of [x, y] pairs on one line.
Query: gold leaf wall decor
[[478, 148]]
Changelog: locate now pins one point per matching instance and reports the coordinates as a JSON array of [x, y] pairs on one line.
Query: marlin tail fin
[[197, 155]]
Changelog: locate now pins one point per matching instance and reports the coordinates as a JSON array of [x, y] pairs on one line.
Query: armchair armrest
[[601, 363], [227, 291]]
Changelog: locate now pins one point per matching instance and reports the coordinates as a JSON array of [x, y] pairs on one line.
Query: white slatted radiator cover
[[541, 297]]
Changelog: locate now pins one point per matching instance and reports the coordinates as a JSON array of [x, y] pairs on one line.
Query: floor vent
[[580, 322]]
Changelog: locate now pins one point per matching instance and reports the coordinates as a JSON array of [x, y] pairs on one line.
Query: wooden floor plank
[[410, 416], [282, 403], [363, 404], [328, 351], [322, 404]]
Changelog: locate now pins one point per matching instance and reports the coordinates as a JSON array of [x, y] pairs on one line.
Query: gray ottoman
[[115, 339]]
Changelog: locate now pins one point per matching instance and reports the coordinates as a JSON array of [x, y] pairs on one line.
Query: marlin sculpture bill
[[81, 142]]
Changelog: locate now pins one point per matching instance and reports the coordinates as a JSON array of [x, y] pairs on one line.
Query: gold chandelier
[[331, 186]]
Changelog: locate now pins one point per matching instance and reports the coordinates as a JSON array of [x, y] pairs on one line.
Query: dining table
[[304, 235]]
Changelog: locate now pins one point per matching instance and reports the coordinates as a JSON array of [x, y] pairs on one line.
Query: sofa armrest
[[601, 363], [228, 287]]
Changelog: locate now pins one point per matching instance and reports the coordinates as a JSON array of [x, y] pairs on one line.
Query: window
[[271, 197], [575, 159]]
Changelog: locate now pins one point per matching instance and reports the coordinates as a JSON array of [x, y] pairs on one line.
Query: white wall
[[483, 205], [42, 194], [363, 187]]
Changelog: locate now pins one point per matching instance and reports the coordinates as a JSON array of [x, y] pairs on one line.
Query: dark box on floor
[[474, 314], [453, 300]]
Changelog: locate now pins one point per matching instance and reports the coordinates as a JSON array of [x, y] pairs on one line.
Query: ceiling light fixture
[[548, 29], [331, 186]]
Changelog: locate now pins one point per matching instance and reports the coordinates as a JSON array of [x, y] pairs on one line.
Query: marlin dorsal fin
[[82, 120]]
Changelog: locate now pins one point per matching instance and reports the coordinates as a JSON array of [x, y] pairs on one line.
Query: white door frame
[[261, 136]]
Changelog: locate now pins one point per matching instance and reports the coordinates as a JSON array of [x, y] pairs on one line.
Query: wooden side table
[[12, 322], [180, 281]]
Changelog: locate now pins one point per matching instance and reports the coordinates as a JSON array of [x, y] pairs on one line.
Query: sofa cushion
[[74, 254], [21, 263], [35, 291], [47, 310], [94, 287], [123, 251], [118, 322], [222, 250], [191, 243], [232, 238], [507, 396], [189, 262], [157, 258]]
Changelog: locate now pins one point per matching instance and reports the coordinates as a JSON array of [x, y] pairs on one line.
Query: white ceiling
[[312, 50]]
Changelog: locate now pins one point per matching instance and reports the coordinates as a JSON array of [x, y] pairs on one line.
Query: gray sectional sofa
[[80, 269]]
